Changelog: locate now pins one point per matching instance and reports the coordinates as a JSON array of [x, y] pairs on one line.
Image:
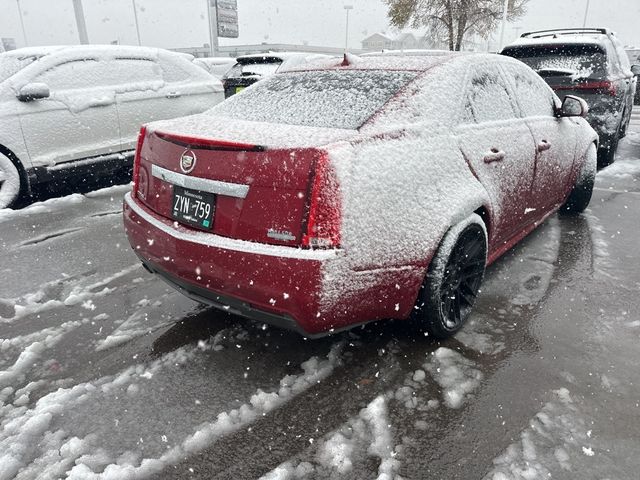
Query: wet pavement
[[105, 372]]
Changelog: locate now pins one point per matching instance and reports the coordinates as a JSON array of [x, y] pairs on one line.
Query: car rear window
[[331, 99], [578, 61], [250, 69]]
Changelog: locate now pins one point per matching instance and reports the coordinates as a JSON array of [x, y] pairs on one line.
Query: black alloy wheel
[[453, 283]]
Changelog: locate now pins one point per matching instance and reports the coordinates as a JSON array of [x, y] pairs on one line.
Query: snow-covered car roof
[[408, 52], [215, 60], [578, 39], [105, 50], [384, 62], [276, 55]]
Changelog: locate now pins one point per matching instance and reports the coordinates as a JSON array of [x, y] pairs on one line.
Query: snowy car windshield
[[11, 64], [584, 60], [331, 99]]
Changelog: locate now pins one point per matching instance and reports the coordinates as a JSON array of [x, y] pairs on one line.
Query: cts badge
[[188, 161]]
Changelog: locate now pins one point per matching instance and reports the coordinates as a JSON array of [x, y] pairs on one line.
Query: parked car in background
[[251, 68], [415, 52], [634, 59], [360, 189], [74, 112], [591, 63], [216, 66]]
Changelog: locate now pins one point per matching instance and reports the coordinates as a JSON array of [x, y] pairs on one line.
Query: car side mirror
[[635, 69], [33, 91], [573, 106]]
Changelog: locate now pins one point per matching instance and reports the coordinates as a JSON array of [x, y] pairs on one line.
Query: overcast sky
[[183, 23]]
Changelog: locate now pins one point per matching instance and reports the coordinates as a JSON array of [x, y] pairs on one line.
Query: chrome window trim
[[236, 190]]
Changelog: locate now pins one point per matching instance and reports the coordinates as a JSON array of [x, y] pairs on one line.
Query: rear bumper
[[268, 283]]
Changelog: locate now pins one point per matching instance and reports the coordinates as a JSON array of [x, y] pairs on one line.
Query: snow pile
[[61, 203], [138, 323], [42, 440], [337, 454], [621, 169], [555, 443], [40, 301], [456, 375], [31, 347]]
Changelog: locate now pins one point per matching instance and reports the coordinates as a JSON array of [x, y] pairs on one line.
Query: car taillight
[[325, 208], [604, 86], [136, 159]]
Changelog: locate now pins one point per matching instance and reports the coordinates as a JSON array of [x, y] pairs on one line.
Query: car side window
[[533, 94], [80, 74], [72, 75], [488, 97], [172, 73], [623, 58], [125, 71]]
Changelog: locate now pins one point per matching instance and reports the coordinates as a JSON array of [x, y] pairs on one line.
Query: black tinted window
[[578, 61], [252, 69], [332, 99]]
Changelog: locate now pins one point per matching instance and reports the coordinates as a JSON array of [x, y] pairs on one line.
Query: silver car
[[76, 111]]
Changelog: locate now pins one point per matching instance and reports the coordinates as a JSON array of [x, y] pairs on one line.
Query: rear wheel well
[[483, 213], [24, 178]]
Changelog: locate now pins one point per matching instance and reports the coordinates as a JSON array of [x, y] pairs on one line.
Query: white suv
[[75, 111]]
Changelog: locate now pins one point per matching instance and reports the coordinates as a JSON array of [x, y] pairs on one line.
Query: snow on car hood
[[255, 133]]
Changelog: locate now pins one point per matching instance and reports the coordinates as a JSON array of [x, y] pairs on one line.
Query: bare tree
[[453, 19]]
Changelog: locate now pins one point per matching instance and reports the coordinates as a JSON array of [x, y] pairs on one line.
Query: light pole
[[24, 32], [212, 15], [135, 16], [346, 35], [505, 10], [82, 27], [586, 14]]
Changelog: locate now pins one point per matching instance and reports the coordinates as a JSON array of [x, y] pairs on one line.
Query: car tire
[[624, 125], [582, 190], [453, 280], [11, 184], [606, 156]]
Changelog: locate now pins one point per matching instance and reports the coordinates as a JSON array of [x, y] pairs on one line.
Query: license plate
[[239, 89], [193, 207]]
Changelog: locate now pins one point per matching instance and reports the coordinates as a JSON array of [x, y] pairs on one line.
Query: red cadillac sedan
[[357, 190]]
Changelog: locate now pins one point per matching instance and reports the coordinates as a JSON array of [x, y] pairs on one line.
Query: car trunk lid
[[254, 192]]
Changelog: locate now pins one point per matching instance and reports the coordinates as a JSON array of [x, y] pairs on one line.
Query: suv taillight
[[136, 159], [604, 86], [325, 208]]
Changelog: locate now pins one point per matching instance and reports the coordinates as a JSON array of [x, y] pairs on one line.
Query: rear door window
[[574, 60], [488, 97], [533, 94]]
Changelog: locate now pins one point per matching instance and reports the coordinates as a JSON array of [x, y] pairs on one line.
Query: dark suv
[[251, 68], [590, 63]]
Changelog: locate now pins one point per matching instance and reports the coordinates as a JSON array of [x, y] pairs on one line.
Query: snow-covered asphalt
[[105, 372]]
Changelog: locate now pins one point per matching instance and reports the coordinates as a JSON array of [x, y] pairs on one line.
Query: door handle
[[174, 95], [543, 146], [494, 155]]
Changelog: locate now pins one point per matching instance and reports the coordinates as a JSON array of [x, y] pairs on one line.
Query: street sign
[[227, 14]]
